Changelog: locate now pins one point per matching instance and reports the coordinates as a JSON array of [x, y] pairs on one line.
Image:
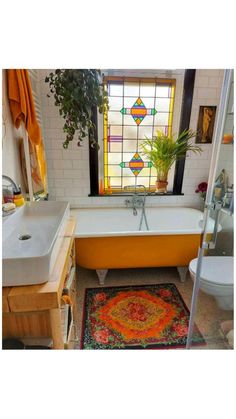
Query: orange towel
[[22, 110], [22, 103]]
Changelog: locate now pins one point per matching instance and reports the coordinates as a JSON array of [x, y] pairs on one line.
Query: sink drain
[[25, 237]]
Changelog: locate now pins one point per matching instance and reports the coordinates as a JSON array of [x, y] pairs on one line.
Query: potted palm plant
[[163, 151]]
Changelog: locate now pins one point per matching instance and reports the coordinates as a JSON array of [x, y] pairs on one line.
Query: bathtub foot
[[182, 270], [101, 273]]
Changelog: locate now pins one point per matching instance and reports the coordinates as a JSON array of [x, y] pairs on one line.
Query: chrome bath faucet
[[137, 201]]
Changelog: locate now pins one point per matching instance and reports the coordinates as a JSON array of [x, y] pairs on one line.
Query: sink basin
[[31, 241]]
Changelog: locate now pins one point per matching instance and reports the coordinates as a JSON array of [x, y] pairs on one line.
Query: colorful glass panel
[[137, 109], [136, 164]]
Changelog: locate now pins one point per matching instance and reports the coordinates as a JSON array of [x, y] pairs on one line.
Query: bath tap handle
[[127, 202], [139, 201]]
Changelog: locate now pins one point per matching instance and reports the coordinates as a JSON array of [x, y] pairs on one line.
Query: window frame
[[171, 82], [185, 114]]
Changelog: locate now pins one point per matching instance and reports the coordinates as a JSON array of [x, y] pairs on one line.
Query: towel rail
[[34, 79], [28, 166]]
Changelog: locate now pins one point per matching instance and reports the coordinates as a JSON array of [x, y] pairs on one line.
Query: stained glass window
[[137, 109]]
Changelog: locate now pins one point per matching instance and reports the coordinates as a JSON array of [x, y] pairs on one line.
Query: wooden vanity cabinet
[[38, 311]]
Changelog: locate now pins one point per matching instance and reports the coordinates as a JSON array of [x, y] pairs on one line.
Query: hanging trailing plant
[[77, 93]]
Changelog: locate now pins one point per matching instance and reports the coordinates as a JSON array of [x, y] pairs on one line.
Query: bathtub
[[107, 238]]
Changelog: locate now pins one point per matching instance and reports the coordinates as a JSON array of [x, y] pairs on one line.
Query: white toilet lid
[[215, 269]]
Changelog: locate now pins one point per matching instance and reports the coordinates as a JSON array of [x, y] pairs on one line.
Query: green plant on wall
[[78, 93]]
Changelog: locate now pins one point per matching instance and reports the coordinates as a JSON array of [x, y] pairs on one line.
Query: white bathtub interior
[[104, 222]]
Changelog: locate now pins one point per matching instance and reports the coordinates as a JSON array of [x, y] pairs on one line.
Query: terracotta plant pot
[[228, 139], [161, 186]]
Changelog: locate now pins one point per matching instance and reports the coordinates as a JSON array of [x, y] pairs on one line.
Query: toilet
[[217, 278]]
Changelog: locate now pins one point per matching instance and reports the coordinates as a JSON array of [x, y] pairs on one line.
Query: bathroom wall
[[226, 158], [225, 238], [10, 140], [68, 170], [207, 91]]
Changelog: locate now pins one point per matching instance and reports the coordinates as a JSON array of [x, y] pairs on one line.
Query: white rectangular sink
[[31, 241]]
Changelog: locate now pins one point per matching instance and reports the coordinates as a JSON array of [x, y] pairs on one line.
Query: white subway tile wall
[[206, 92], [68, 170]]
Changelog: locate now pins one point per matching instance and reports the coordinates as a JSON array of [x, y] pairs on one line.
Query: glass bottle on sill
[[101, 188]]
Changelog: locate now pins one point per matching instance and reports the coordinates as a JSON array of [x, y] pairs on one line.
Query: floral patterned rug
[[136, 317]]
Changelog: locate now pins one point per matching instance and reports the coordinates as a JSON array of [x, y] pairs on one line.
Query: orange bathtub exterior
[[136, 251]]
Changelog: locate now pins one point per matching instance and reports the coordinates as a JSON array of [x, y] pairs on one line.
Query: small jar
[[18, 199]]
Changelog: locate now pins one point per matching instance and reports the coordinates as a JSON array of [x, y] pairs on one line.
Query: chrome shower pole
[[209, 197]]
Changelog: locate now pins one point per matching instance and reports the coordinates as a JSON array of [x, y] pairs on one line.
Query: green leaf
[[162, 151]]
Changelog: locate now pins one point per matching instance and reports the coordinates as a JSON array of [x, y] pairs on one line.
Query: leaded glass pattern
[[137, 109]]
